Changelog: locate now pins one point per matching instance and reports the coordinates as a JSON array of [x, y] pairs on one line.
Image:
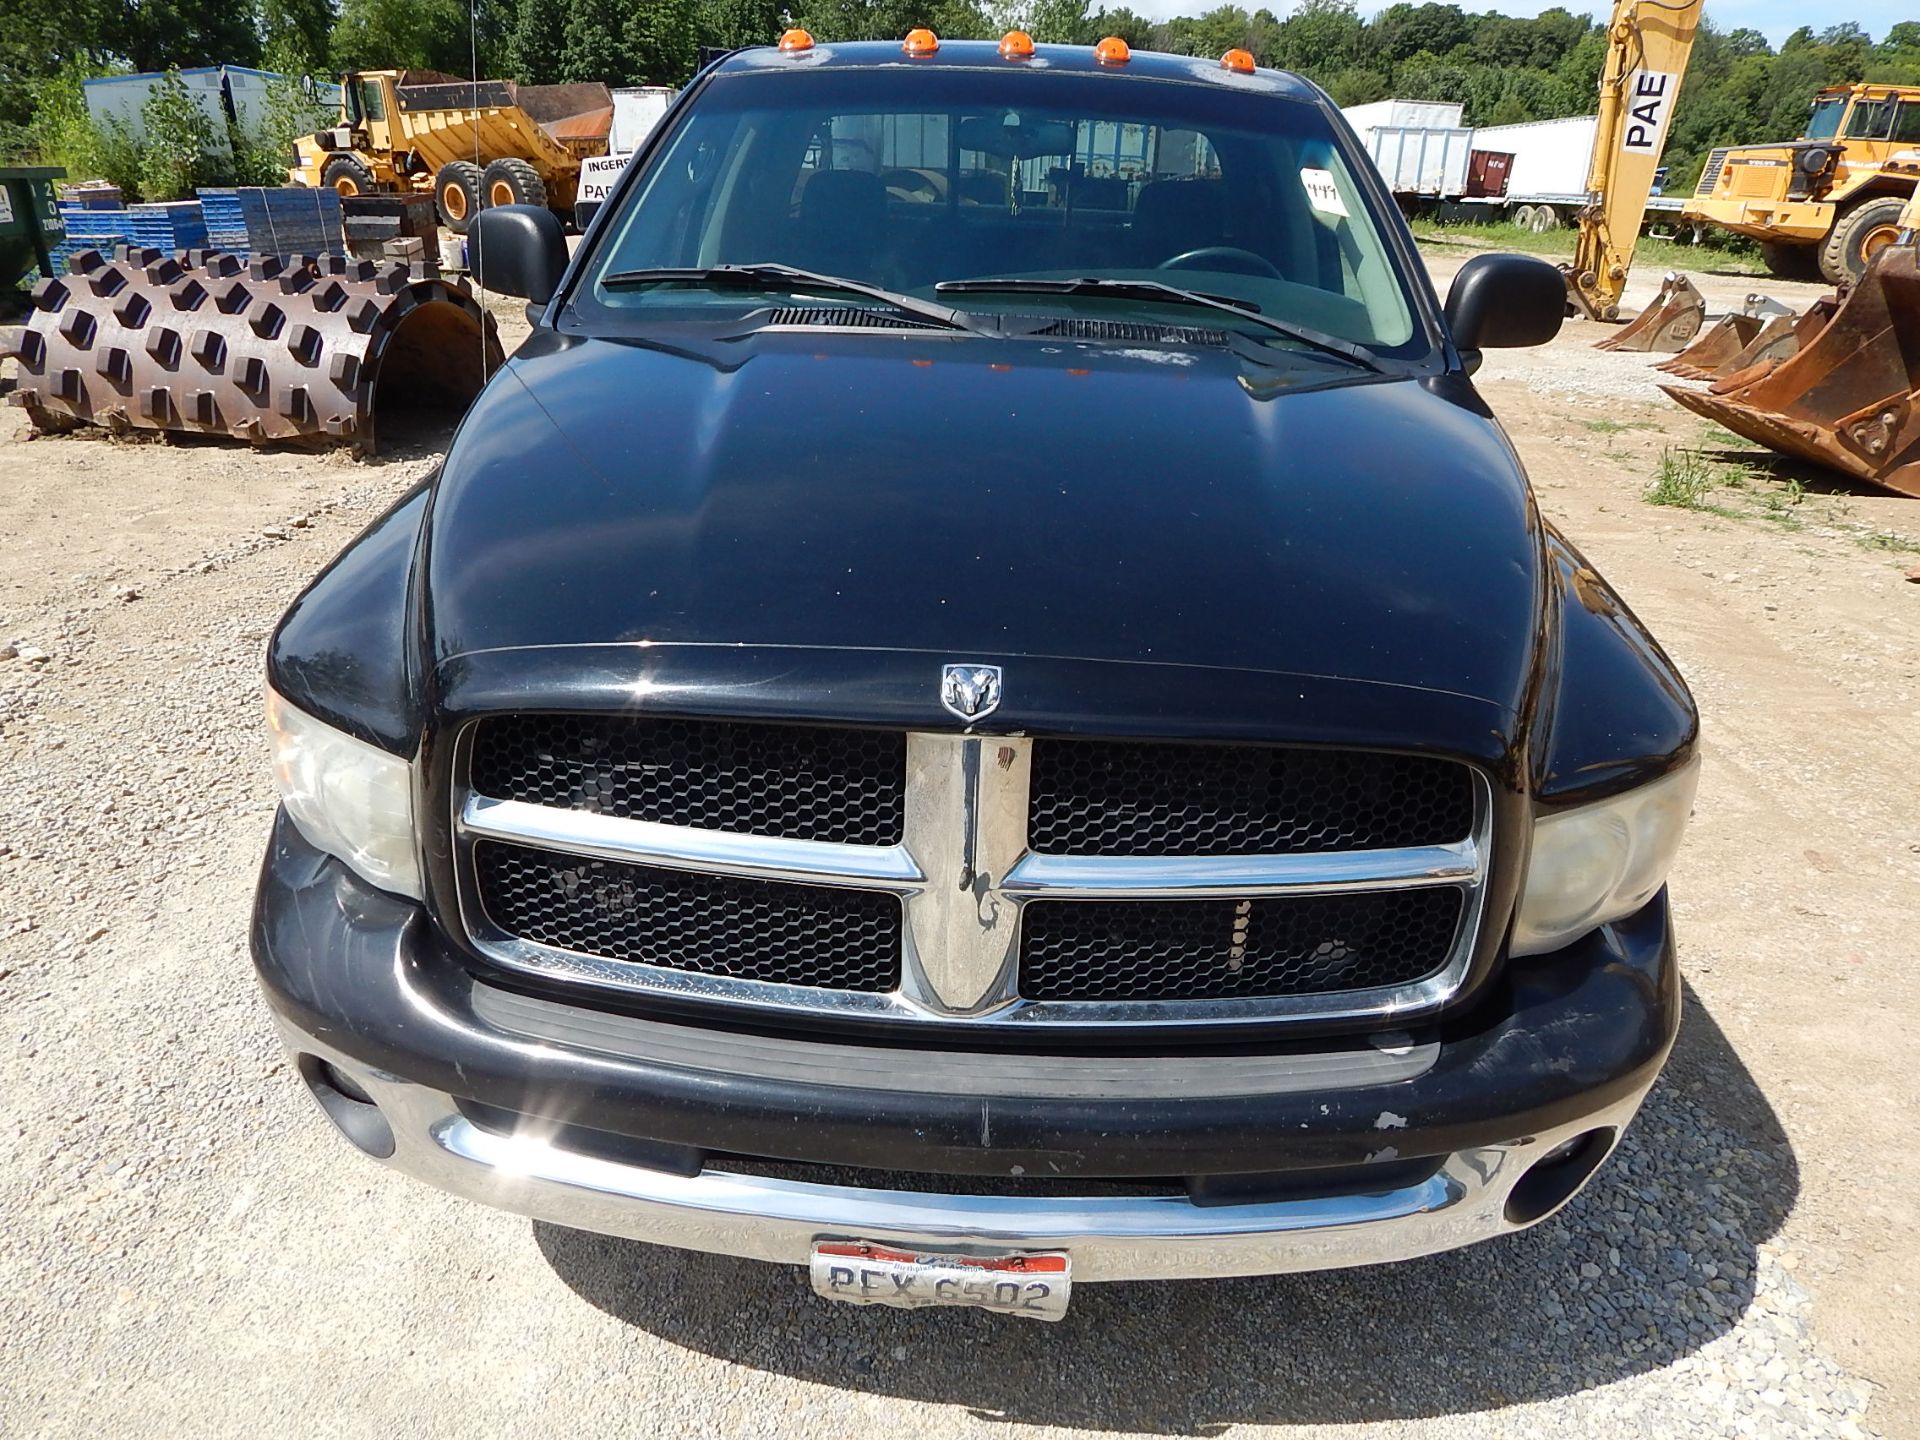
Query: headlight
[[1601, 862], [349, 798]]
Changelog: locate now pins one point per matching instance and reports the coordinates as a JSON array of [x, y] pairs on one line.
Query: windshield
[[907, 178], [1824, 123]]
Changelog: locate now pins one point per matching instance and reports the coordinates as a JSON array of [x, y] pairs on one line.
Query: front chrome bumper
[[1109, 1237]]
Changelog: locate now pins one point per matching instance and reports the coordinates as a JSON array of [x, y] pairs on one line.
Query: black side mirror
[[518, 250], [1505, 301]]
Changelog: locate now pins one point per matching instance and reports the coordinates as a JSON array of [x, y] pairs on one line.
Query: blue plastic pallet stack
[[226, 220], [90, 229], [175, 225], [291, 219]]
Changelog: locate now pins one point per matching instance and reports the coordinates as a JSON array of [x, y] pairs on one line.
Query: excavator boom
[[1648, 45]]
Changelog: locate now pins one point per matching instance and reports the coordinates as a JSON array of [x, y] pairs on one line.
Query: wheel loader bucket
[[1674, 318], [1780, 340], [285, 348], [1715, 348], [1847, 399]]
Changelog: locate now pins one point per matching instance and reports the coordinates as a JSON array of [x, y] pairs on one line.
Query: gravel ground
[[188, 1248]]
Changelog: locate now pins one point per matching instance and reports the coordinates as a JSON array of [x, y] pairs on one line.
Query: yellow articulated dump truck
[[1821, 205], [469, 143]]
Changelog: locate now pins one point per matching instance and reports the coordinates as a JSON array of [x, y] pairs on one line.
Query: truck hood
[[987, 500]]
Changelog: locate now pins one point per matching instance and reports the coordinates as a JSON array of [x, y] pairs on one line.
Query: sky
[[1776, 19]]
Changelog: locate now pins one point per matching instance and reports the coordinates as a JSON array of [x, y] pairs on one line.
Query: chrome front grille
[[1234, 949], [1023, 883], [1129, 797], [796, 782], [699, 924]]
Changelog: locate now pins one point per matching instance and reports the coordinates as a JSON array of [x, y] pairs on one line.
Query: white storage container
[[1551, 158]]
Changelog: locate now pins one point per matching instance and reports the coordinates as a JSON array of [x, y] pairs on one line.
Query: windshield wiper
[[1173, 295], [789, 277]]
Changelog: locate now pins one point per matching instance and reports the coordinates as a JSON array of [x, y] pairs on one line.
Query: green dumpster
[[30, 227]]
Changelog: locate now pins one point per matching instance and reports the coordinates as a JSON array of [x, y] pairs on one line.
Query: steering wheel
[[1223, 257]]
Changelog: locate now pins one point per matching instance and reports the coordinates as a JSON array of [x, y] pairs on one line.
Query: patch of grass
[[1721, 438], [1684, 480], [1618, 427], [1755, 490], [1725, 254], [1886, 540]]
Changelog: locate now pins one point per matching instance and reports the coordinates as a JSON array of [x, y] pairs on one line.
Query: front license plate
[[1035, 1285]]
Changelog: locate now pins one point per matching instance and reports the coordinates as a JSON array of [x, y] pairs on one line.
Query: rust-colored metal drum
[[276, 348]]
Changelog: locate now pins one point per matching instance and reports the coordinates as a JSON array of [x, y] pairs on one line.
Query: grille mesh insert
[[702, 924], [1227, 949], [788, 781], [1100, 797]]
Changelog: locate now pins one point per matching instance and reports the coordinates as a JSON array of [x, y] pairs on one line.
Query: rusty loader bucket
[[1782, 339], [1848, 398], [1674, 318], [1706, 355], [291, 349]]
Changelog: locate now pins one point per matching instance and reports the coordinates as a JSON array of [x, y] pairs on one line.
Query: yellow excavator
[[1648, 45]]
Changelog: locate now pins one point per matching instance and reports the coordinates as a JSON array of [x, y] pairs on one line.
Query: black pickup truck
[[983, 706]]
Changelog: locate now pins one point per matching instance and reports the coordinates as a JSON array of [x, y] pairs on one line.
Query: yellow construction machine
[[1823, 204], [470, 143], [1849, 396], [1648, 45]]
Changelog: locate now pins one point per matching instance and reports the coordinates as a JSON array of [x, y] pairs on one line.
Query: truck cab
[[1823, 204]]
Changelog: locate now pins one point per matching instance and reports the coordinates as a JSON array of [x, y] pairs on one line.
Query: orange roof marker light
[[1112, 51], [795, 41], [920, 42], [1016, 45], [1238, 61]]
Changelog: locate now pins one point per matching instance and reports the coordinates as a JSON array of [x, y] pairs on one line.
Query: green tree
[[1402, 31], [413, 35], [174, 34], [597, 45], [295, 28], [536, 49], [1131, 26], [663, 41], [177, 147], [731, 24], [1321, 38]]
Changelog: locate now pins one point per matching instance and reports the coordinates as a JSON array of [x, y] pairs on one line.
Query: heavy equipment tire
[[1791, 262], [1858, 235], [513, 182], [456, 190], [346, 176]]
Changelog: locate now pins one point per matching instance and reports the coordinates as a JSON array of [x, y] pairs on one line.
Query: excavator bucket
[[1674, 318], [1781, 339], [1715, 348], [285, 348], [1850, 398]]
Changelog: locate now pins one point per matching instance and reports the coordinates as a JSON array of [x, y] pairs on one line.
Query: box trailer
[[1419, 146], [1547, 173], [229, 94], [636, 110]]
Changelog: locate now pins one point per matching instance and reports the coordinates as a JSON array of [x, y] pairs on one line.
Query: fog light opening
[[348, 1105], [1557, 1176]]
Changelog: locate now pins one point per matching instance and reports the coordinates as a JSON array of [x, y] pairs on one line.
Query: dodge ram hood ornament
[[970, 691]]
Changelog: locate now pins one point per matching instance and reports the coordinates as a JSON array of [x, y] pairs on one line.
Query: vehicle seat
[[841, 224], [1171, 217]]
